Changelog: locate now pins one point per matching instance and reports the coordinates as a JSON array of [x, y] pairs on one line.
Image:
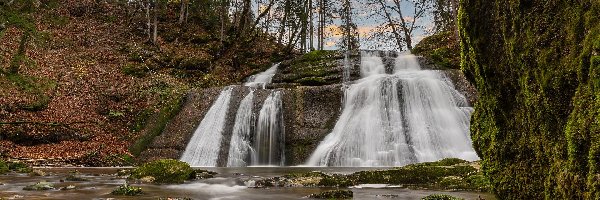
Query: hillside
[[90, 79]]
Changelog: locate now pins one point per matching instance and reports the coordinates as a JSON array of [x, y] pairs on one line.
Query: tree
[[400, 24], [349, 28]]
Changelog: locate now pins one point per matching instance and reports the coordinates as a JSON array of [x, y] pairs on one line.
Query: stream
[[230, 183]]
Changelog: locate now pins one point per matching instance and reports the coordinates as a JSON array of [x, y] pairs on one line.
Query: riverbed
[[229, 183]]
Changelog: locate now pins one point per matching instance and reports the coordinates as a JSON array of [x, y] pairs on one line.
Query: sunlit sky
[[367, 22]]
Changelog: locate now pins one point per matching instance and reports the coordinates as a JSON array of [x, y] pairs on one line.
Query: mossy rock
[[312, 81], [3, 167], [442, 49], [40, 186], [203, 174], [164, 171], [19, 167], [440, 197], [333, 194], [73, 177], [127, 190]]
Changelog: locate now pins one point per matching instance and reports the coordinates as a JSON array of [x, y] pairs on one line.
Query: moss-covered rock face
[[440, 49], [535, 66], [165, 171]]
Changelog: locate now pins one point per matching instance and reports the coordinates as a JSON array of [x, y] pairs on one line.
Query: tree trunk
[[155, 33], [182, 11], [310, 20]]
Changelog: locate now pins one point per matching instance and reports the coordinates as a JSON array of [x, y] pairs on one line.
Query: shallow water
[[229, 184]]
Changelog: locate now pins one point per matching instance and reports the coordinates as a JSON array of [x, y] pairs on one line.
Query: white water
[[265, 150], [269, 137], [396, 119], [347, 66], [203, 148], [242, 130], [263, 78]]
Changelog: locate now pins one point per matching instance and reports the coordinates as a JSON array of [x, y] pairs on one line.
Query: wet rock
[[40, 186], [388, 195], [440, 197], [203, 174], [147, 179], [69, 187], [37, 172], [73, 177], [333, 194], [164, 171], [127, 190]]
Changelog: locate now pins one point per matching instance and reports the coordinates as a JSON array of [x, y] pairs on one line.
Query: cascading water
[[409, 116], [242, 130], [269, 137], [263, 78], [203, 148]]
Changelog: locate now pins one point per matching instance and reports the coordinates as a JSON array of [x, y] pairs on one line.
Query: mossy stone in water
[[19, 167], [127, 190], [333, 194], [40, 186], [164, 171], [440, 197], [3, 167]]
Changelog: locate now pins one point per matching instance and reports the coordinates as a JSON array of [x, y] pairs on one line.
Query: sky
[[366, 25]]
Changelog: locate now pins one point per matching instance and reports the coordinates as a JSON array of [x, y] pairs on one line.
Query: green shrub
[[165, 171]]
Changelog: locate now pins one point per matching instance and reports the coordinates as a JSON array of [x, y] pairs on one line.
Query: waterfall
[[242, 130], [262, 145], [203, 148], [409, 116], [347, 67], [269, 138], [263, 78]]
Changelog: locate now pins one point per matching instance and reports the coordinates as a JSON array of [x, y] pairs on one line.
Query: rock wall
[[536, 67], [310, 112]]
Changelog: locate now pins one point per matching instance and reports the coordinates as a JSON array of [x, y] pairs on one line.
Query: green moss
[[440, 197], [3, 167], [19, 167], [136, 70], [312, 81], [164, 171], [442, 49], [157, 126], [333, 194], [127, 190], [446, 174], [535, 125], [40, 186], [36, 87]]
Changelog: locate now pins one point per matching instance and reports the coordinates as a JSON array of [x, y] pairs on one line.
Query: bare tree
[[400, 24]]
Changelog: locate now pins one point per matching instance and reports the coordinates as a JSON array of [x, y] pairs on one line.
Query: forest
[[443, 99]]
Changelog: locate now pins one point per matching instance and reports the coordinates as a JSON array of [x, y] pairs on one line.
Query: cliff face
[[536, 67]]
